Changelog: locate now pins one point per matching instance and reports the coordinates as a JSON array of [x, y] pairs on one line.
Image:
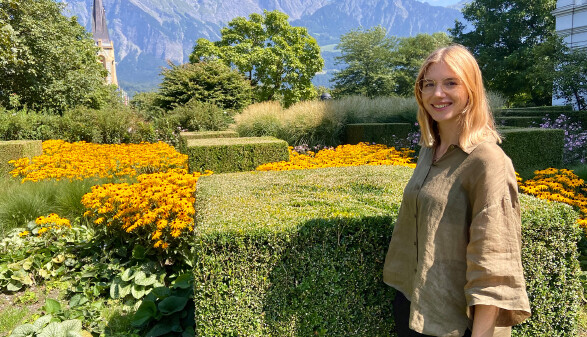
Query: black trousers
[[401, 313]]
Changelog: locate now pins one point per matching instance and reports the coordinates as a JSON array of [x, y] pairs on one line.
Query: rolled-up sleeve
[[494, 269]]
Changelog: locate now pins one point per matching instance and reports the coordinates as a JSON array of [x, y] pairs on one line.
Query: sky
[[441, 2]]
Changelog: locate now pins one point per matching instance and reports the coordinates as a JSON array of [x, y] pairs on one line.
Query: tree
[[408, 56], [507, 39], [48, 61], [367, 55], [571, 78], [279, 60], [211, 82]]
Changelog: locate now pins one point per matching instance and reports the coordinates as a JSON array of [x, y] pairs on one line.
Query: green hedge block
[[391, 134], [534, 111], [15, 149], [208, 134], [521, 122], [533, 148], [234, 154], [300, 253]]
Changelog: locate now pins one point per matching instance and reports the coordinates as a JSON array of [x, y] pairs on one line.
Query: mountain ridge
[[148, 33]]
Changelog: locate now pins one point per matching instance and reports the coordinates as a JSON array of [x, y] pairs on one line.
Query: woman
[[455, 253]]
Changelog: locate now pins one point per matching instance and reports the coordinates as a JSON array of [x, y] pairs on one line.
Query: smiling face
[[444, 96]]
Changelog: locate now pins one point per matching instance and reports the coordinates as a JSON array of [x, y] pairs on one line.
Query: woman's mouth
[[441, 106]]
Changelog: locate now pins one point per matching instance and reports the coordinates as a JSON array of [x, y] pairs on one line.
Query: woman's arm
[[484, 320]]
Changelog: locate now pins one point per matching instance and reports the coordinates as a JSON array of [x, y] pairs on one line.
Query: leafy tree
[[508, 40], [47, 61], [408, 56], [212, 82], [571, 78], [280, 60], [367, 55]]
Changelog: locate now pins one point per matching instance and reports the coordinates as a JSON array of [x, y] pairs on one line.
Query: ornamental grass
[[344, 155], [81, 160], [158, 209], [560, 185]]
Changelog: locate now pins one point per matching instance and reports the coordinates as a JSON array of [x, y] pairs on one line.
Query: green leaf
[[115, 288], [25, 330], [184, 281], [161, 292], [72, 326], [137, 291], [14, 286], [51, 306], [159, 329], [77, 300], [139, 277], [127, 275], [189, 332], [42, 321], [147, 281], [144, 313], [138, 252], [27, 264], [172, 304], [52, 330], [124, 289]]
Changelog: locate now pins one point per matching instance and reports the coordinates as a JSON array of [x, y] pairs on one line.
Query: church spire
[[102, 39], [99, 28]]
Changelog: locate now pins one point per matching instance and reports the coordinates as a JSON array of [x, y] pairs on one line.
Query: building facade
[[571, 22]]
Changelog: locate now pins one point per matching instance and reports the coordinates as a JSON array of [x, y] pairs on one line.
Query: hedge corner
[[15, 149]]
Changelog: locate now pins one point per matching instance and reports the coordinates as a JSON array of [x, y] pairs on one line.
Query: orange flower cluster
[[160, 206], [54, 222], [80, 160], [559, 185], [344, 155]]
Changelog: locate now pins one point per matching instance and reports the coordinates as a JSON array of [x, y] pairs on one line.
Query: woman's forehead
[[439, 70]]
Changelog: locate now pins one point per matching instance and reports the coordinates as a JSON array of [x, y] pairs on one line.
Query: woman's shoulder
[[489, 156]]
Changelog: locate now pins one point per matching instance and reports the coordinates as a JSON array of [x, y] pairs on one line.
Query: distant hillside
[[146, 33]]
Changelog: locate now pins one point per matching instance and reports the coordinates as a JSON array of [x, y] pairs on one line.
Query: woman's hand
[[484, 320]]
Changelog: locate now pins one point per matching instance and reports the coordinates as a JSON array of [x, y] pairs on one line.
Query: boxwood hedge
[[300, 253]]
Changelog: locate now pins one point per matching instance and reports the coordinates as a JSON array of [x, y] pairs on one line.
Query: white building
[[571, 22]]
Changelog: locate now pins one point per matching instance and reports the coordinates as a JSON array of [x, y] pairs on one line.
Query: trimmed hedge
[[390, 134], [533, 148], [534, 111], [234, 154], [300, 253], [15, 149], [208, 134], [521, 122]]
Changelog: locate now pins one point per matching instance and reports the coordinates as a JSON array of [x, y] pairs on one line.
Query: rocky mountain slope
[[148, 33]]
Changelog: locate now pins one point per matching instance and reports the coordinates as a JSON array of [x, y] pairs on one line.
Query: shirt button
[[415, 243], [415, 270]]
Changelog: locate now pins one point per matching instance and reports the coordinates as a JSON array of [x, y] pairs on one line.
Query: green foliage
[[234, 154], [310, 241], [321, 122], [390, 134], [145, 104], [199, 116], [314, 240], [12, 150], [168, 311], [515, 45], [367, 54], [278, 59], [571, 79], [209, 82], [10, 317], [408, 56], [45, 327], [551, 268], [520, 145], [48, 61], [377, 65]]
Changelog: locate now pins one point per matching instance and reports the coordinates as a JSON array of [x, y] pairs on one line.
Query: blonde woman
[[455, 253]]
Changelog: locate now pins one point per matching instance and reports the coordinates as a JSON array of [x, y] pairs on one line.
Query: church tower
[[102, 38]]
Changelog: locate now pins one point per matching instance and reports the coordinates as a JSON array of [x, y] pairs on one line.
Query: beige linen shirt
[[457, 241]]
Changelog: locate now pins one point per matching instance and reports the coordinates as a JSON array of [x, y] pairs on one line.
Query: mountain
[[147, 33]]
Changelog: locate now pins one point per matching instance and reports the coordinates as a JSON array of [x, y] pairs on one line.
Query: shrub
[[12, 150], [212, 82], [308, 262], [234, 154], [575, 149], [533, 148], [199, 116], [392, 134]]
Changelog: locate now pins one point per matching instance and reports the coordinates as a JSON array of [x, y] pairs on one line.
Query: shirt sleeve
[[494, 266]]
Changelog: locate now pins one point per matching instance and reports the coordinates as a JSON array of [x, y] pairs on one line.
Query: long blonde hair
[[477, 121]]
